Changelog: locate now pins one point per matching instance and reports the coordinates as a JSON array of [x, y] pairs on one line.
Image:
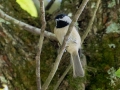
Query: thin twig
[[39, 46], [26, 26], [62, 77], [91, 22], [49, 5], [57, 61], [86, 33]]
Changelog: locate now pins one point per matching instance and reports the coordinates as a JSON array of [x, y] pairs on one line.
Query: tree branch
[[26, 26], [57, 61], [62, 77], [49, 5], [91, 21], [40, 43], [83, 38]]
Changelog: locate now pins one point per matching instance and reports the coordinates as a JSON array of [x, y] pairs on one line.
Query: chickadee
[[73, 44], [4, 87]]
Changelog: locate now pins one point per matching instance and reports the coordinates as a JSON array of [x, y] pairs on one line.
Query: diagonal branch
[[39, 46], [26, 26], [91, 21], [62, 77], [49, 5], [83, 38], [57, 61]]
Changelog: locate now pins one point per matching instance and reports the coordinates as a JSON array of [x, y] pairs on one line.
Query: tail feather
[[77, 66]]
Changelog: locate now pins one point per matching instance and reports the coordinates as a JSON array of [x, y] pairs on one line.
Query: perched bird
[[73, 44], [4, 87]]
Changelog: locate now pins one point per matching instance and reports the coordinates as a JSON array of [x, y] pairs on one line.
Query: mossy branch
[[25, 26], [83, 38], [57, 61]]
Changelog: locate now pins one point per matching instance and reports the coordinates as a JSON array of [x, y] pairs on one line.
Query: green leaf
[[117, 73], [28, 6]]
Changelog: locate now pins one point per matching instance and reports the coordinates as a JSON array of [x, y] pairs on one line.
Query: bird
[[73, 44], [4, 87]]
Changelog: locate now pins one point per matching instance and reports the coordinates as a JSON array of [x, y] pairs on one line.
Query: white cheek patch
[[66, 19]]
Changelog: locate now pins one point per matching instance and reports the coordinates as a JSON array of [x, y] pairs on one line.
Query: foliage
[[112, 76], [111, 3], [29, 7], [113, 27], [117, 73]]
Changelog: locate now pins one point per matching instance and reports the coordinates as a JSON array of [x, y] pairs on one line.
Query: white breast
[[60, 33], [74, 41]]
